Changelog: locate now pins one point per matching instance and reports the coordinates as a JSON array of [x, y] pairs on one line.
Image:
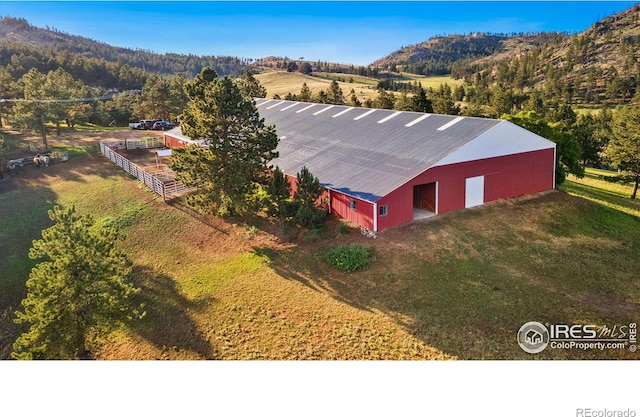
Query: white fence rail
[[163, 183], [145, 143]]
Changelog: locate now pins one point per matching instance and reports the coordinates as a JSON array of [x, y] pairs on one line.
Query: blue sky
[[347, 32]]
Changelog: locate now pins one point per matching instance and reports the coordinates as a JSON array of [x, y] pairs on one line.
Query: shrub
[[342, 229], [251, 231], [349, 257]]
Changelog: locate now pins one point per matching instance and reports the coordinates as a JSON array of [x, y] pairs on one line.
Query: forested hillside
[[536, 80], [598, 66], [23, 46], [448, 54]]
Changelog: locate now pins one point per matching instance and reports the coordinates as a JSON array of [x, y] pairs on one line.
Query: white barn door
[[474, 192]]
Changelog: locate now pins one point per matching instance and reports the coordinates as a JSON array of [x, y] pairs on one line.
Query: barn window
[[383, 211], [352, 204]]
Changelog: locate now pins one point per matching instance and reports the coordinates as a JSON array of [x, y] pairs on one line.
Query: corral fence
[[143, 143], [157, 177]]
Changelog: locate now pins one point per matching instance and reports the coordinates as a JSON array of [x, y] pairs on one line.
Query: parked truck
[[144, 124]]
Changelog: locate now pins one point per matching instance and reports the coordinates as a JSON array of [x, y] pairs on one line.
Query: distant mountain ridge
[[583, 66], [17, 31], [612, 41], [439, 54]]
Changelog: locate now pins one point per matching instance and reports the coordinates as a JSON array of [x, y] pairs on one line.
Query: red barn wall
[[171, 142], [340, 205], [505, 177]]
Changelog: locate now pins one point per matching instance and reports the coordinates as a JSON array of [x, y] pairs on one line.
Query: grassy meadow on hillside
[[283, 82], [456, 286]]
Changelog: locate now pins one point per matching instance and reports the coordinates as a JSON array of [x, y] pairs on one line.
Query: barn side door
[[474, 192], [424, 197]]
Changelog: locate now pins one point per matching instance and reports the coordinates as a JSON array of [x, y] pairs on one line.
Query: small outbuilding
[[383, 168]]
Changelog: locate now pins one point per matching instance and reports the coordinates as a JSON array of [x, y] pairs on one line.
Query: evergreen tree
[[279, 190], [353, 99], [459, 93], [501, 100], [442, 100], [118, 110], [305, 68], [30, 116], [335, 94], [585, 133], [229, 169], [421, 102], [384, 100], [155, 100], [78, 293], [404, 103], [623, 149], [8, 89], [322, 97], [292, 66], [305, 93], [57, 89], [305, 199], [250, 86], [565, 116], [177, 97]]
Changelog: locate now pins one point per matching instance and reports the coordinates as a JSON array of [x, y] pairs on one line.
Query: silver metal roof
[[365, 153], [368, 153]]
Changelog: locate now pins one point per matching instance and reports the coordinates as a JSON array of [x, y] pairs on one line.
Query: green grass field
[[592, 187], [282, 82], [457, 286]]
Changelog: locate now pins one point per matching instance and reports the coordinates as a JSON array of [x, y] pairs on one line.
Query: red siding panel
[[172, 142], [505, 177], [341, 207]]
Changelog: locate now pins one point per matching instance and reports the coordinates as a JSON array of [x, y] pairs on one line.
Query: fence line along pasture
[[163, 182]]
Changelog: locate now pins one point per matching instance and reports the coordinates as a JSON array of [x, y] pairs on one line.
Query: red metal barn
[[382, 168], [174, 138]]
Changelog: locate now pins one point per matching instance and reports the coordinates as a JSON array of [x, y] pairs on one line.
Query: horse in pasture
[[41, 160], [15, 163]]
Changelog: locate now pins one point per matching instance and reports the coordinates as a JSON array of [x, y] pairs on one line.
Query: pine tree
[[155, 100], [384, 100], [250, 86], [442, 100], [586, 133], [353, 99], [305, 93], [335, 94], [78, 293], [305, 199], [623, 149], [234, 163], [322, 97], [404, 102], [421, 102], [279, 190]]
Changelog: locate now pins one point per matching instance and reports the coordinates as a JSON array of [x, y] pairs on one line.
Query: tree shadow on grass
[[602, 195], [305, 267], [462, 291], [168, 324], [206, 219]]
